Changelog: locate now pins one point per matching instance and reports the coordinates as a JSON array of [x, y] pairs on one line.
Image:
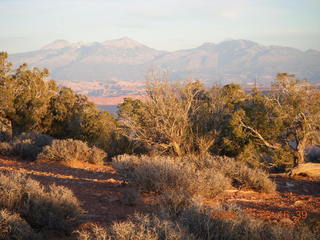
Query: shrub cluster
[[137, 227], [240, 173], [206, 176], [12, 226], [69, 150], [54, 207], [228, 222], [196, 223], [26, 146]]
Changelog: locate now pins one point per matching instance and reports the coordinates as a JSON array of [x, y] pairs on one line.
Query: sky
[[170, 25]]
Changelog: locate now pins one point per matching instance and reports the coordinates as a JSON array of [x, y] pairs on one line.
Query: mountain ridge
[[240, 61]]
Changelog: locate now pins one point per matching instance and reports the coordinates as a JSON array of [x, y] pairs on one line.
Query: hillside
[[115, 64]]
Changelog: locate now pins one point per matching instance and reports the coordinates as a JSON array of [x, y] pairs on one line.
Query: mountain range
[[118, 67]]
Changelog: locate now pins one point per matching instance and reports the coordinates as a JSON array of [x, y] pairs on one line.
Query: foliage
[[24, 96], [31, 103], [73, 116], [53, 207], [69, 150], [285, 120]]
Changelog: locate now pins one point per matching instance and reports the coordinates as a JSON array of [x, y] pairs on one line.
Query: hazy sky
[[162, 24]]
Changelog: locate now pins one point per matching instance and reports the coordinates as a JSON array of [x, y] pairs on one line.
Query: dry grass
[[93, 232], [70, 150], [54, 207]]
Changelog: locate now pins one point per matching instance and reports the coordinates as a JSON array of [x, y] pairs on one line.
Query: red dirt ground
[[99, 188]]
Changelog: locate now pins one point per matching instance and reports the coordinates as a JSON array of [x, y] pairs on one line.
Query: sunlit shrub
[[53, 207], [69, 150]]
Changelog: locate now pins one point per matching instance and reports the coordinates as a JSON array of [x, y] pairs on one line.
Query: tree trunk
[[299, 154]]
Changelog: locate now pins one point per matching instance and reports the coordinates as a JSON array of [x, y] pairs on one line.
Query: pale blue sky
[[162, 24]]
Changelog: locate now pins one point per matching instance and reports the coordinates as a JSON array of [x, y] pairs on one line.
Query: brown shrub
[[54, 207], [70, 150], [12, 226], [206, 176], [156, 173], [241, 175]]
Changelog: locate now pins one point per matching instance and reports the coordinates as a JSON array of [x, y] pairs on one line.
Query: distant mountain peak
[[60, 43], [123, 42], [238, 42]]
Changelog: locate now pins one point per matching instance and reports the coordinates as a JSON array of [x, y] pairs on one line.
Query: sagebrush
[[69, 150], [207, 175], [52, 207], [12, 226]]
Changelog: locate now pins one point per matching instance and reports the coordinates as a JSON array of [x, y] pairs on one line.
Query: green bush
[[29, 145], [12, 226], [69, 150], [54, 207]]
